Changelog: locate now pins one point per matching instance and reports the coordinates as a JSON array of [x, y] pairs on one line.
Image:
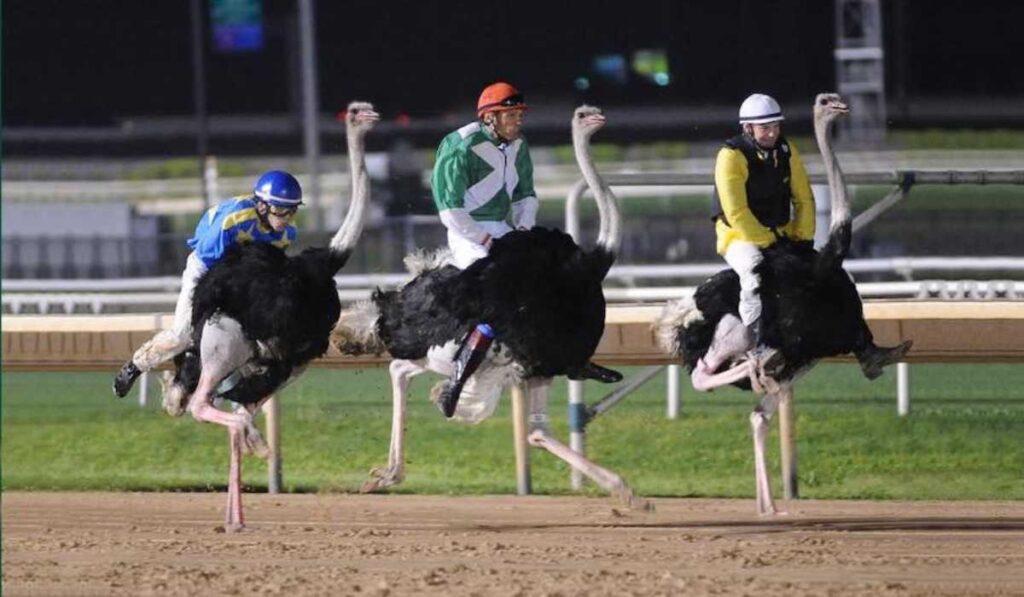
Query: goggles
[[511, 101], [282, 212]]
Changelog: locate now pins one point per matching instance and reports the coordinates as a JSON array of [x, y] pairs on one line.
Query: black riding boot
[[770, 358], [467, 359], [596, 372], [873, 358], [125, 379]]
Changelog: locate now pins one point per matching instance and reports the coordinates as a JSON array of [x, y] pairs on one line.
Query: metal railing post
[[143, 388], [272, 411], [672, 373], [520, 434], [902, 389], [577, 429]]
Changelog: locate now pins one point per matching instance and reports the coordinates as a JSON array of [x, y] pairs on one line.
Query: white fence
[[627, 283]]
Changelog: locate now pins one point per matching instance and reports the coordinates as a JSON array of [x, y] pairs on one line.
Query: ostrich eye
[[824, 101]]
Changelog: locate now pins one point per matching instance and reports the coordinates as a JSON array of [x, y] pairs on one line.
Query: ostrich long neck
[[836, 183], [610, 230], [345, 239]]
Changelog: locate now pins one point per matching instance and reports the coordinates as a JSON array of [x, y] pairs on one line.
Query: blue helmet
[[279, 189]]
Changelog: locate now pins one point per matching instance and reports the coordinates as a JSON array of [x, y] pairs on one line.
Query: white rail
[[94, 302], [905, 267]]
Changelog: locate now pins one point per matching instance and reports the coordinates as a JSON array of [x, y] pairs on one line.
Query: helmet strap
[[263, 213], [748, 132]]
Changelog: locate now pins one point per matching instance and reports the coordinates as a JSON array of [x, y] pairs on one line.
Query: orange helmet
[[498, 97]]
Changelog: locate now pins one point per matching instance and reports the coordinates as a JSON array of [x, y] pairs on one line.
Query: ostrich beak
[[361, 116]]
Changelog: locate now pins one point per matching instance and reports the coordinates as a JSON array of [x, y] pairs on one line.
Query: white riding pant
[[169, 343], [743, 257], [465, 251]]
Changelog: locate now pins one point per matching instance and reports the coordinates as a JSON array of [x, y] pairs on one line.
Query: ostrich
[[811, 310], [260, 316], [541, 293]]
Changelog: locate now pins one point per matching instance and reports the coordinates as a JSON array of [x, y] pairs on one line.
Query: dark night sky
[[95, 61]]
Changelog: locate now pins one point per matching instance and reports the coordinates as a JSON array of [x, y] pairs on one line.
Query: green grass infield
[[964, 438]]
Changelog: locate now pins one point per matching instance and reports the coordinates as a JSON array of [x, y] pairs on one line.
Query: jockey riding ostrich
[[539, 291], [259, 316], [811, 310]]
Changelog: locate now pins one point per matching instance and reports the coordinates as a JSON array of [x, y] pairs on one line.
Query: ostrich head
[[360, 118], [828, 107], [586, 121]]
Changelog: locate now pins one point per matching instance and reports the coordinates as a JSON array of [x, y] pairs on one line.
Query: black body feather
[[288, 303], [538, 289]]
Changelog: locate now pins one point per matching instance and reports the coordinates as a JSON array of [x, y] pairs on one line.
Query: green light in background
[[652, 64]]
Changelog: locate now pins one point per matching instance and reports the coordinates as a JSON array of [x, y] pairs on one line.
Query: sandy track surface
[[173, 544]]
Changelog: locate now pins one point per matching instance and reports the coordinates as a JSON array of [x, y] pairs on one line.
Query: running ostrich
[[260, 316], [811, 310], [542, 295]]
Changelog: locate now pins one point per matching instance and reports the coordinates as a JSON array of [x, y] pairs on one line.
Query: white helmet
[[760, 109]]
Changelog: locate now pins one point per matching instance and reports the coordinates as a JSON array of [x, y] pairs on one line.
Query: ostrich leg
[[759, 420], [223, 349], [540, 437], [402, 372], [731, 340]]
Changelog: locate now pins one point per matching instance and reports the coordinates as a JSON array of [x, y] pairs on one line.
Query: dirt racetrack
[[173, 544]]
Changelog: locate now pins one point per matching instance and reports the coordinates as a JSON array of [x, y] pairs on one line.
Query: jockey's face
[[765, 135], [277, 218], [507, 124]]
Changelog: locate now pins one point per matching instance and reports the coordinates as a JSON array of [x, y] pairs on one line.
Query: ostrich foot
[[381, 479], [633, 501], [762, 383], [769, 361], [253, 442], [763, 366]]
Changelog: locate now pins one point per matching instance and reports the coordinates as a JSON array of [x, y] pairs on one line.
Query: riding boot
[[125, 379], [596, 372], [873, 358], [469, 356], [770, 359]]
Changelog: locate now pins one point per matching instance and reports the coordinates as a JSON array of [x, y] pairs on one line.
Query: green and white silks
[[477, 184]]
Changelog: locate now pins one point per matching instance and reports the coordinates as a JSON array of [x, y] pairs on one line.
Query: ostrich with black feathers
[[811, 310], [539, 291], [259, 316]]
